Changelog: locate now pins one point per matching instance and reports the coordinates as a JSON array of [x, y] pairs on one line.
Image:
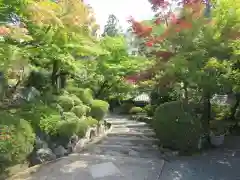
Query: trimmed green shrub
[[71, 124], [16, 140], [79, 110], [49, 124], [99, 109], [85, 95], [136, 110], [88, 109], [66, 102], [177, 126], [76, 100], [150, 109], [68, 128], [82, 128], [91, 121], [70, 116]]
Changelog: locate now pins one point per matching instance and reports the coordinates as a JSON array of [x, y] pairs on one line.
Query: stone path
[[127, 153], [219, 164]]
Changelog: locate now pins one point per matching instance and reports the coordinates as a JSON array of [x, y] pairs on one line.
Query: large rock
[[45, 154], [33, 158], [60, 151], [30, 93], [39, 143]]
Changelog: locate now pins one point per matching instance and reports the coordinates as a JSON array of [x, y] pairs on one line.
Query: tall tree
[[194, 51], [111, 28]]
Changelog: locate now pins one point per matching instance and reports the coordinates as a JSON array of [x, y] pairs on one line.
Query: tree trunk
[[185, 92], [206, 117], [63, 78], [55, 71], [102, 87]]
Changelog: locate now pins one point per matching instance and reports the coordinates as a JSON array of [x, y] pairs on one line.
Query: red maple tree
[[173, 25]]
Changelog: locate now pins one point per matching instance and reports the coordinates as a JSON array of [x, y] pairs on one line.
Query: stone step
[[126, 129], [139, 147], [120, 122], [128, 134], [86, 156], [131, 139], [126, 151], [129, 143], [131, 125]]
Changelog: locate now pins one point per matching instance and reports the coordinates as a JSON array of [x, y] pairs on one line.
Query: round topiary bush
[[16, 140], [136, 110], [76, 100], [49, 124], [91, 121], [85, 95], [66, 102], [67, 128], [177, 126], [70, 116], [99, 109], [82, 128], [88, 109], [79, 110]]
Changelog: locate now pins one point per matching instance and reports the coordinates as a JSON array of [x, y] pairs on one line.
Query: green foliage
[[85, 95], [126, 107], [79, 110], [66, 102], [136, 110], [161, 95], [76, 100], [105, 76], [99, 109], [64, 127], [180, 130], [220, 111], [150, 109], [88, 109], [111, 28], [17, 139], [91, 121], [39, 80], [70, 127], [49, 124], [69, 116], [33, 112]]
